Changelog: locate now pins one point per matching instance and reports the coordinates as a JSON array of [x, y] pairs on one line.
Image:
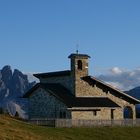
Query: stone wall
[[101, 114], [123, 104], [83, 89], [44, 105]]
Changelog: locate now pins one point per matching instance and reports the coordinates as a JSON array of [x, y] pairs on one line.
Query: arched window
[[79, 65]]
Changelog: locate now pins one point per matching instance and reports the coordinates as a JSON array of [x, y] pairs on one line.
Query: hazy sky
[[38, 35]]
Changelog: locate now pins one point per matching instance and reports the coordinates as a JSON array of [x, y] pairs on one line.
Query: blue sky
[[38, 35]]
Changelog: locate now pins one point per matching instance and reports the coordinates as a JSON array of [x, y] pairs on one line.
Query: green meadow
[[12, 129]]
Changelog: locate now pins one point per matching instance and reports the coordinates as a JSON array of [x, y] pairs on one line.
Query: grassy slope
[[11, 129]]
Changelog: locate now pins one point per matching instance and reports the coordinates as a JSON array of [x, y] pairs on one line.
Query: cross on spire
[[77, 48]]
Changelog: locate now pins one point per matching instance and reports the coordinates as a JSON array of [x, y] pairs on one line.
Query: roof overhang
[[74, 55], [53, 74]]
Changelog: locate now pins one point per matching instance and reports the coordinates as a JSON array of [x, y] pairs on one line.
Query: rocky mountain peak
[[6, 74], [13, 84]]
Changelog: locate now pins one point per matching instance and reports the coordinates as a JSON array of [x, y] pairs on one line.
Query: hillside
[[12, 129]]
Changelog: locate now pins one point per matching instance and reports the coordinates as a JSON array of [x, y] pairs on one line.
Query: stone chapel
[[74, 94]]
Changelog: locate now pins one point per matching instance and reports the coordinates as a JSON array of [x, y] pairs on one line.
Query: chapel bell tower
[[79, 64], [79, 68]]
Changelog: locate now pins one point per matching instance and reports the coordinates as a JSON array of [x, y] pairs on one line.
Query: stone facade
[[83, 89], [101, 114], [45, 105], [122, 103]]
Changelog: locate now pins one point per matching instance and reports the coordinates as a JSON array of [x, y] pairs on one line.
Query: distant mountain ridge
[[135, 92], [13, 85]]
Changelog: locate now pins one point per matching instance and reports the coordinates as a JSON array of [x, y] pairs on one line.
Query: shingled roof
[[106, 87], [64, 95]]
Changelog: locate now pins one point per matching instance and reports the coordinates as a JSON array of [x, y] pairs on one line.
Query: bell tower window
[[80, 65]]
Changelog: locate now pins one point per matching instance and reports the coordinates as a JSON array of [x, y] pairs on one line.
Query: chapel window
[[80, 65]]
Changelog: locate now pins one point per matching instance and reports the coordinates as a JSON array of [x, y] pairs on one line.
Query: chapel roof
[[75, 55], [53, 74], [91, 80], [64, 95]]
